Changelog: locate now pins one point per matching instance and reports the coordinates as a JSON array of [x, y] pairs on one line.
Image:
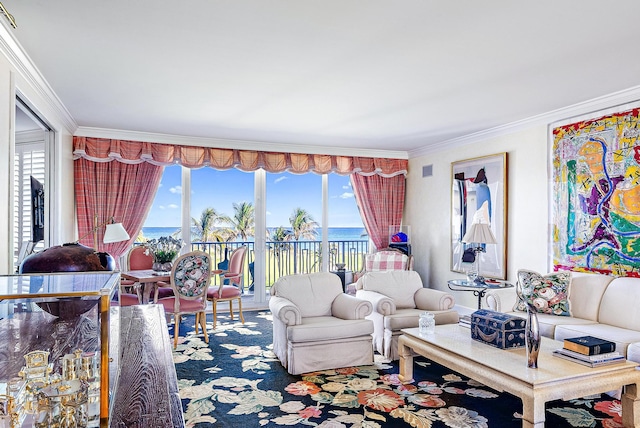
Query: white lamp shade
[[115, 232], [479, 233]]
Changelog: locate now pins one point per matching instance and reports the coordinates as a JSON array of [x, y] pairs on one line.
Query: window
[[29, 161]]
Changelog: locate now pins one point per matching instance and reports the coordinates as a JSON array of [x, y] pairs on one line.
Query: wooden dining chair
[[137, 259], [233, 290], [190, 277]]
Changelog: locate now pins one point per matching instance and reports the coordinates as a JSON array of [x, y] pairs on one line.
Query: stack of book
[[590, 351]]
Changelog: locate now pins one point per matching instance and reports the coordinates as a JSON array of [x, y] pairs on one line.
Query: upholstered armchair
[[316, 326], [398, 297]]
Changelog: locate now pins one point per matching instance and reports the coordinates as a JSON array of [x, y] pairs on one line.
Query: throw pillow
[[548, 293]]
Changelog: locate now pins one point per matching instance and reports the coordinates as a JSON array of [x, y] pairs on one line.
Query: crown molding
[[583, 108], [24, 66], [119, 134]]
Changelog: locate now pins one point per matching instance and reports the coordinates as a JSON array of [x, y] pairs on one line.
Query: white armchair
[[316, 326], [398, 298]]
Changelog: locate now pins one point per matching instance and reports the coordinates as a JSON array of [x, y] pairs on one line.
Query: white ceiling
[[389, 75]]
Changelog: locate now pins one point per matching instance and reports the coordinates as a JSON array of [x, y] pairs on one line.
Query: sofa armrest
[[381, 303], [350, 308], [429, 299], [501, 300], [285, 310]]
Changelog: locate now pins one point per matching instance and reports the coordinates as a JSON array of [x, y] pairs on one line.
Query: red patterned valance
[[134, 152]]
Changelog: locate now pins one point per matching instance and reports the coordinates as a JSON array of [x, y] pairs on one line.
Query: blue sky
[[285, 191]]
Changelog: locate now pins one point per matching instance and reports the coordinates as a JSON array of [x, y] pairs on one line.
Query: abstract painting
[[479, 193], [596, 195]]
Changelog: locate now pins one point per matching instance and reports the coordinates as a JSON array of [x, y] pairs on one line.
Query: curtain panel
[[136, 152], [124, 192], [381, 202]]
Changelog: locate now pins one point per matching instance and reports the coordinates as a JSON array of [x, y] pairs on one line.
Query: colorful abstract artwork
[[596, 195]]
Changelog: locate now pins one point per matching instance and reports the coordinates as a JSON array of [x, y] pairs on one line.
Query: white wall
[[18, 75], [428, 207]]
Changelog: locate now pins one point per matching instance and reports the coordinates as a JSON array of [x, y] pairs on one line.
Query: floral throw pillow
[[549, 293]]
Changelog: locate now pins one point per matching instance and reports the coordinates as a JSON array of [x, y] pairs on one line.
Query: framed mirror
[[479, 191]]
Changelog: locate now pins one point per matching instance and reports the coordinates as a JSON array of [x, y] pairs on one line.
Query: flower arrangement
[[164, 249]]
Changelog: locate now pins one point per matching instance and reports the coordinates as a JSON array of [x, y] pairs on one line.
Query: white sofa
[[398, 298], [602, 306], [316, 326]]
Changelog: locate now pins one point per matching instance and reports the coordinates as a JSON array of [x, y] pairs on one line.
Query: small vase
[[532, 337], [161, 267], [426, 323]]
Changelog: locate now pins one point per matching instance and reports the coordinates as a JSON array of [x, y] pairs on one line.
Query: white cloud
[[268, 212], [176, 189], [279, 179], [346, 195], [347, 186], [162, 207], [172, 206]]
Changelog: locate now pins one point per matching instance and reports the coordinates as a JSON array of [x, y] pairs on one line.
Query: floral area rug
[[236, 381]]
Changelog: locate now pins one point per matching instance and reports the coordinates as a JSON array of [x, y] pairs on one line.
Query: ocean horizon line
[[338, 233]]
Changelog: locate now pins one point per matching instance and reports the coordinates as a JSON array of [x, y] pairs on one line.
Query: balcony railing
[[287, 257]]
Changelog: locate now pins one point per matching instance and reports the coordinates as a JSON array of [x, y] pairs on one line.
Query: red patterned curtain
[[125, 189], [135, 152], [381, 202], [114, 189]]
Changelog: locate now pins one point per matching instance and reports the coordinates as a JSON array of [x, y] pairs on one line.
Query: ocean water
[[335, 233]]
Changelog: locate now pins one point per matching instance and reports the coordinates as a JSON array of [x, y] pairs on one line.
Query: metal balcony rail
[[286, 257]]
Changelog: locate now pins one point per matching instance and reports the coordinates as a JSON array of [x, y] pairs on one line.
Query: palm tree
[[279, 236], [208, 227], [302, 224], [243, 220]]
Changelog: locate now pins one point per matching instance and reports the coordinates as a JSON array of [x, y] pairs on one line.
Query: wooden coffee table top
[[455, 339]]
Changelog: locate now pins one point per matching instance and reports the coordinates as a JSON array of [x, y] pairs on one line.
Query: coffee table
[[506, 370]]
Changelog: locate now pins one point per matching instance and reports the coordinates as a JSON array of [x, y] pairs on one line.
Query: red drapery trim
[[381, 201], [136, 152], [114, 189]]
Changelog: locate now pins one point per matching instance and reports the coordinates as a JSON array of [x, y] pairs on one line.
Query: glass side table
[[479, 289]]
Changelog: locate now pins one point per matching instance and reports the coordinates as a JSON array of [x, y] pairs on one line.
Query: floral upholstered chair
[[190, 277]]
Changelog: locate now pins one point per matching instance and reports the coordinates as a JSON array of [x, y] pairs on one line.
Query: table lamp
[[114, 232], [479, 234]]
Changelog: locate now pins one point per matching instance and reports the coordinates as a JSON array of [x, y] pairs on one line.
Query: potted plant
[[164, 251]]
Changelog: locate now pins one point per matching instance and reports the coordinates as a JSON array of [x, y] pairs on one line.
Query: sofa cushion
[[547, 323], [586, 293], [549, 293], [620, 303], [398, 285], [621, 336], [633, 352], [314, 329]]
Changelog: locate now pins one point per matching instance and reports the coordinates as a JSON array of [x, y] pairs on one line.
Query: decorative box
[[498, 329]]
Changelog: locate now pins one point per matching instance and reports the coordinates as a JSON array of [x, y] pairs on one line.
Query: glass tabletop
[[464, 283]]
